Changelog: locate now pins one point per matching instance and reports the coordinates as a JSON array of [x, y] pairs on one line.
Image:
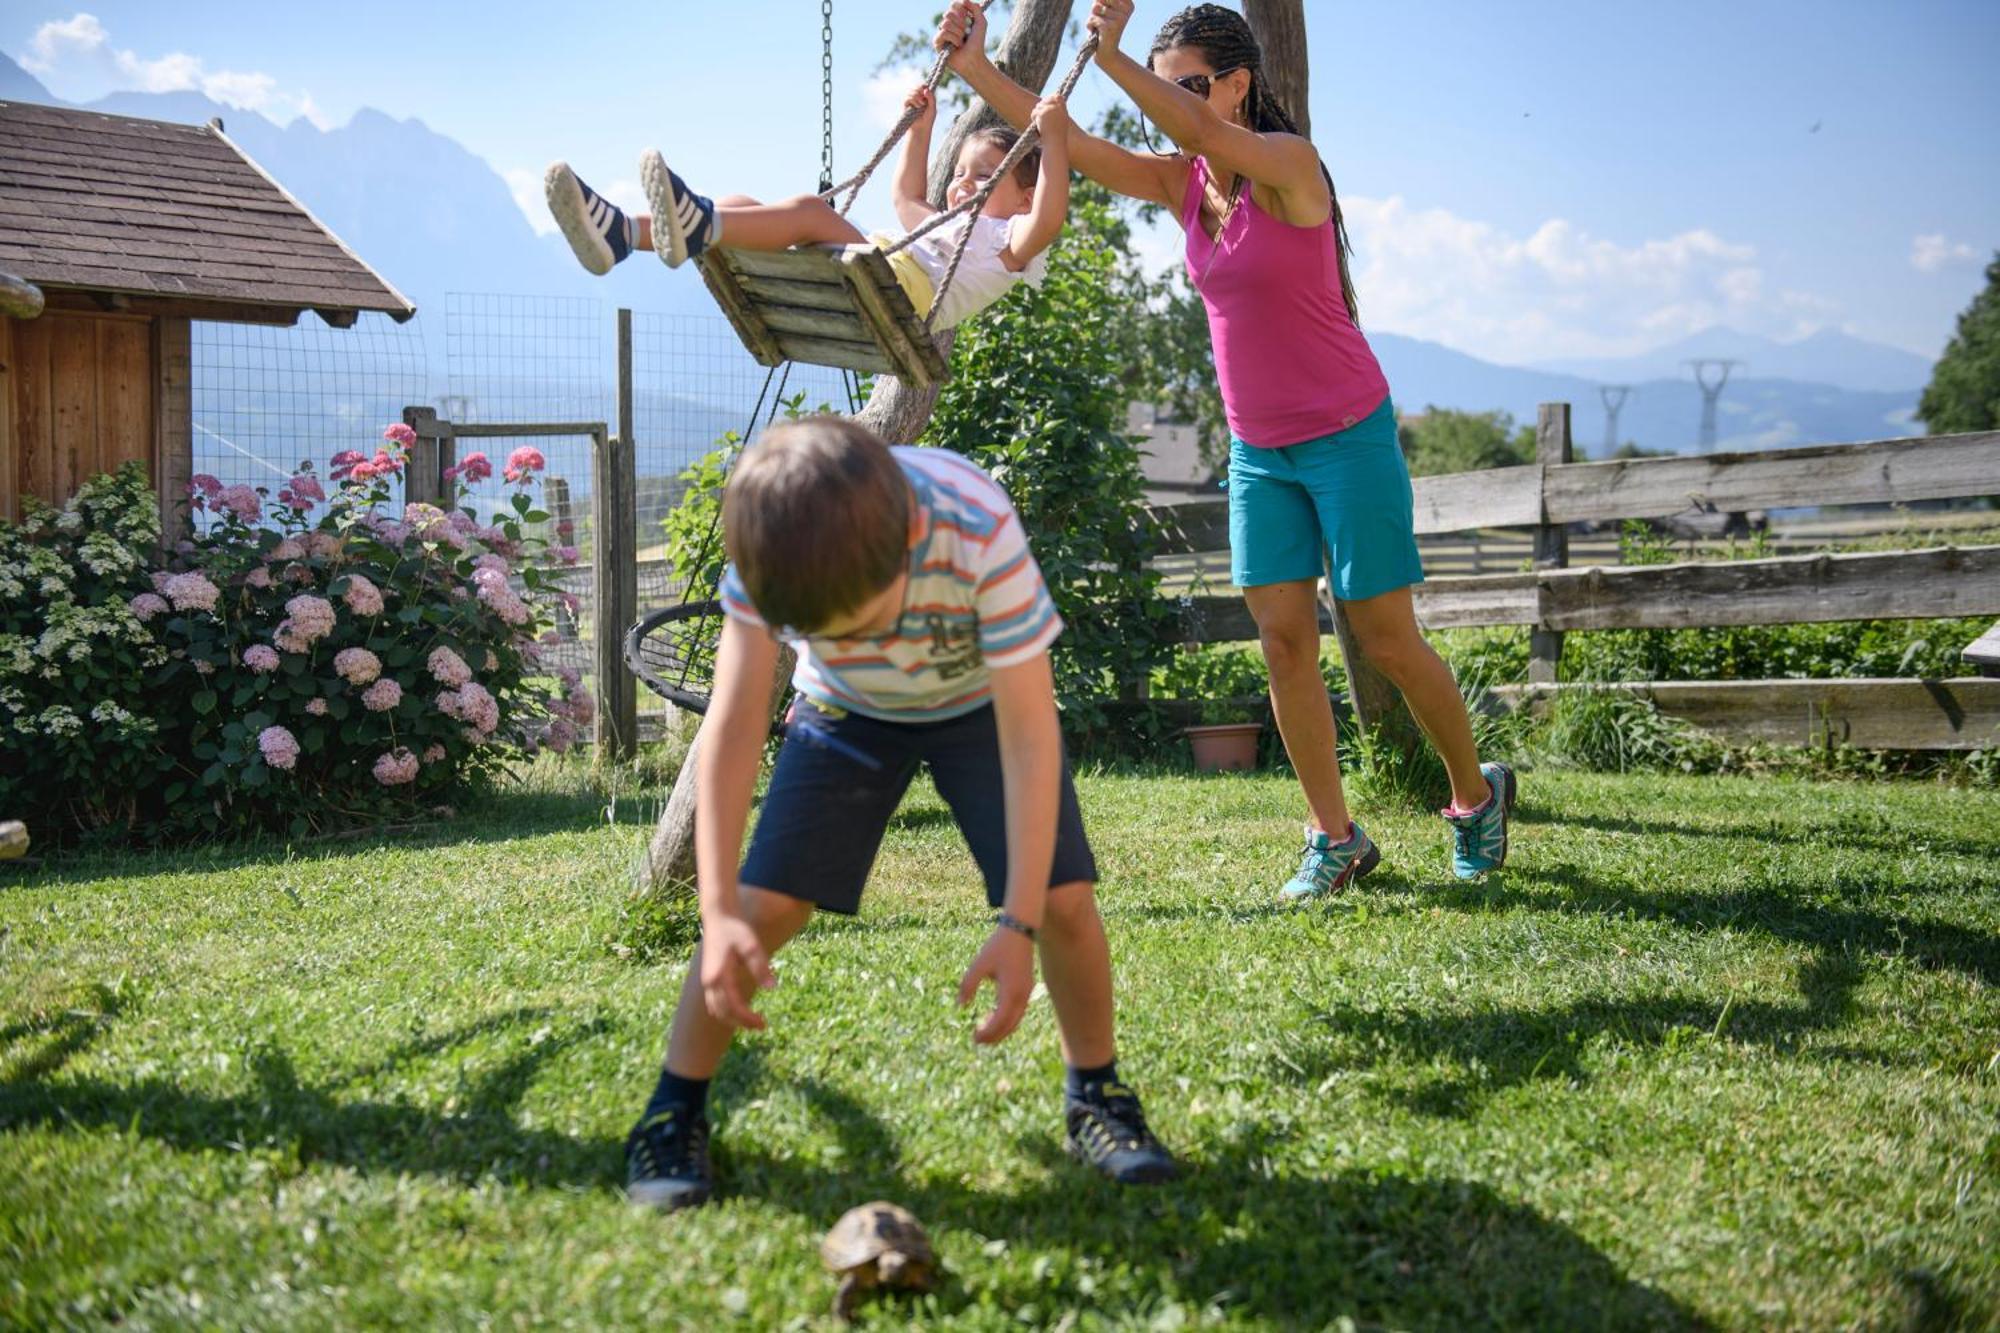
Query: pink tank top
[[1291, 363]]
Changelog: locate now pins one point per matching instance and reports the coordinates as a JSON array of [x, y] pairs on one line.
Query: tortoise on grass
[[876, 1245]]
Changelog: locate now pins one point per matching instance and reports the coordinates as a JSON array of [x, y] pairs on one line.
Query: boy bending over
[[903, 580]]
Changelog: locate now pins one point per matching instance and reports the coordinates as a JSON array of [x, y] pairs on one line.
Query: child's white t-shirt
[[982, 278]]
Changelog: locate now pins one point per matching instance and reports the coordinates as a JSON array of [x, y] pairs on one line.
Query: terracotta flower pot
[[1225, 746]]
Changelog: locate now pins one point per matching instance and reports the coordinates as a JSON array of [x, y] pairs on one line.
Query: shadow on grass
[[1809, 833], [1506, 1047], [1796, 919], [1297, 1251], [508, 815]]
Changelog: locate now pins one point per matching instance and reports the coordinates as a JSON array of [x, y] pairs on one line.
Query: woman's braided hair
[[1225, 38]]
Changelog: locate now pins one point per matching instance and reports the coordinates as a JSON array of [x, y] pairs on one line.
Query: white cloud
[[882, 96], [76, 58], [1560, 291], [1930, 253], [526, 187]]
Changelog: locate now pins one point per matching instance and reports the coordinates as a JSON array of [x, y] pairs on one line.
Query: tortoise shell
[[866, 1234]]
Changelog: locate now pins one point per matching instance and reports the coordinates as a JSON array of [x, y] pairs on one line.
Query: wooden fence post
[[434, 451], [615, 581], [1552, 447]]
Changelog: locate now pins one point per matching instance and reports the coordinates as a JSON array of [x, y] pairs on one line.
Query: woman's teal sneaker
[[1329, 866], [1479, 837]]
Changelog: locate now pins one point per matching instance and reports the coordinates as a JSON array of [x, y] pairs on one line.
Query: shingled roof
[[150, 209]]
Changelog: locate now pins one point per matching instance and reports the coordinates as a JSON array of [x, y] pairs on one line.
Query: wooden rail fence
[[1554, 597]]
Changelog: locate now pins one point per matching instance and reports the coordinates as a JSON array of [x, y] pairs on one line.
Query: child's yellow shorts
[[910, 275]]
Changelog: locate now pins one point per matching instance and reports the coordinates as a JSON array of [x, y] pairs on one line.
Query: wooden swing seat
[[824, 305]]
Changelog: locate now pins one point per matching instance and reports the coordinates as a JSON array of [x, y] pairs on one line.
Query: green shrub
[[278, 674], [1037, 397]]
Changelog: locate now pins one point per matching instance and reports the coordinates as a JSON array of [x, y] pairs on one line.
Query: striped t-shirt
[[975, 601]]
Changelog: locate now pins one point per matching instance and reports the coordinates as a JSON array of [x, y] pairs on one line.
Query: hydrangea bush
[[319, 656]]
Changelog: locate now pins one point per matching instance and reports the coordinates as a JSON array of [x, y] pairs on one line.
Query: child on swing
[[903, 580], [1010, 236]]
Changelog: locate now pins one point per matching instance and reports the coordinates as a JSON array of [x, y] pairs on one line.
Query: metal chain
[[826, 95]]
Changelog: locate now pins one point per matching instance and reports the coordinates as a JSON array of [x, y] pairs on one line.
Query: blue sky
[[1524, 181]]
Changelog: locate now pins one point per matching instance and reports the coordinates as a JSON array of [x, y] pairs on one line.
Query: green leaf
[[203, 702]]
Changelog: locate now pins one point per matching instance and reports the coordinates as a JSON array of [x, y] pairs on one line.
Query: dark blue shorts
[[839, 778]]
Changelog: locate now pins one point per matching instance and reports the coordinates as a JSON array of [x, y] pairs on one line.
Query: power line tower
[[1614, 396], [1709, 393]]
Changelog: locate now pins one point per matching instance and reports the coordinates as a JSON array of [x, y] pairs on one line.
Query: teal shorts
[[1339, 505]]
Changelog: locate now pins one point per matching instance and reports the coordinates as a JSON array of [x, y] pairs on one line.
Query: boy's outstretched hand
[[1009, 959], [962, 34], [733, 966]]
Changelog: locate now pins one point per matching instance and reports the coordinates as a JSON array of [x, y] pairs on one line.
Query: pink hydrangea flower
[[260, 577], [396, 768], [363, 598], [383, 695], [311, 616], [297, 573], [433, 753], [288, 549], [191, 592], [559, 736], [568, 555], [242, 501], [523, 463], [566, 530], [279, 747], [474, 467], [492, 660], [356, 666], [497, 563], [401, 434], [203, 486], [448, 668], [322, 545], [147, 605], [582, 708], [204, 668], [316, 707], [341, 466], [301, 493], [261, 658]]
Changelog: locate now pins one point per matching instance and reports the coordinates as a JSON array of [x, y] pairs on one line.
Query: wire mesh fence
[[266, 399]]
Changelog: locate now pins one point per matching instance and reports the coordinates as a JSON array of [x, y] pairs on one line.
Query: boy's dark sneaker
[[1328, 866], [1107, 1132], [683, 221], [666, 1160], [1479, 837], [595, 228]]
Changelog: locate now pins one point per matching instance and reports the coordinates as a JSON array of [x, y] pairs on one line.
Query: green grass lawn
[[1714, 1052]]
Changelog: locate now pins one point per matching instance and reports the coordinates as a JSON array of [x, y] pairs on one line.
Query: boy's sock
[[675, 1092], [1089, 1084]]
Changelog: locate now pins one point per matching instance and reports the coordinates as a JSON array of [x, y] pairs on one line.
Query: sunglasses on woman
[[1199, 84]]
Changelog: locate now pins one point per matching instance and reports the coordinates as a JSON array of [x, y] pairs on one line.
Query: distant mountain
[[17, 85], [1662, 413], [1826, 357]]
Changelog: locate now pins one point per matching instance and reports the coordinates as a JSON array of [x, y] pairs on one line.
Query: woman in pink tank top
[[1317, 478]]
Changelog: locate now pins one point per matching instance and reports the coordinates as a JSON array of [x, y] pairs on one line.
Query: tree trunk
[[896, 412], [1280, 26]]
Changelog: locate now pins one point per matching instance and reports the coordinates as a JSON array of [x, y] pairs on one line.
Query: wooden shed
[[130, 230]]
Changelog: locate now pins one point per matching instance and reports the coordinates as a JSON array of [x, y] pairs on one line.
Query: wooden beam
[[1495, 498], [34, 416], [1885, 471], [881, 301], [815, 264], [73, 399], [726, 285], [1960, 714], [1890, 585], [841, 326], [829, 352], [1984, 652], [1552, 449], [10, 466], [778, 291], [173, 423], [214, 312]]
